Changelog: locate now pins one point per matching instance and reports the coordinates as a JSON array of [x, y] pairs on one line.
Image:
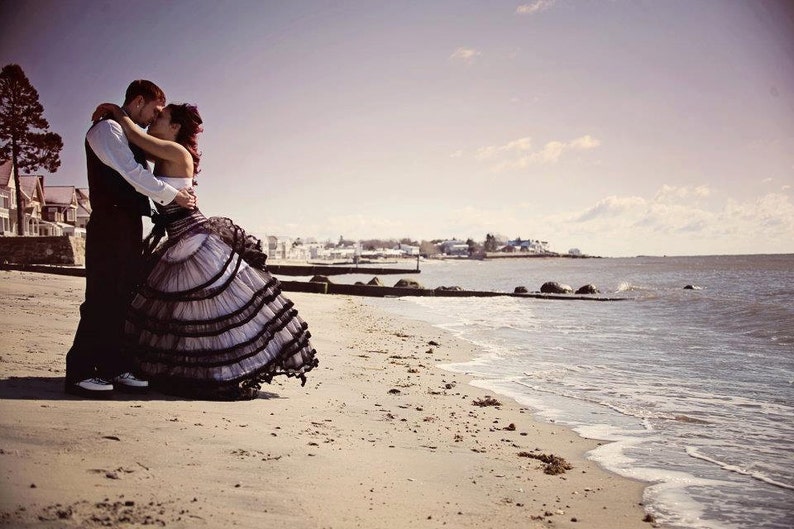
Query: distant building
[[286, 248], [7, 198], [83, 207], [409, 250], [530, 246], [61, 210], [455, 247], [32, 196], [54, 210], [61, 205]]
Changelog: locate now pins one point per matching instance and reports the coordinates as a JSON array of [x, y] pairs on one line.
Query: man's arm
[[110, 145]]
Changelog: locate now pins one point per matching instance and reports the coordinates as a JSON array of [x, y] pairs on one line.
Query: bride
[[208, 320]]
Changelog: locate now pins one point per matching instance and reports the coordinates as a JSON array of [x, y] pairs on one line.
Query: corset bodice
[[176, 219]]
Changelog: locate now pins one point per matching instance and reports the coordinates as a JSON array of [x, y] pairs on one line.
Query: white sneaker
[[94, 388], [131, 383]]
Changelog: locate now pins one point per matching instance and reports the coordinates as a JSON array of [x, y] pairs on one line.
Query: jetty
[[377, 291]]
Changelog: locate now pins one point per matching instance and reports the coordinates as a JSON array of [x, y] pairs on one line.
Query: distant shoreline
[[525, 255]]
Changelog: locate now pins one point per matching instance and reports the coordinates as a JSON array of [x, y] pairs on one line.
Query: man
[[119, 185]]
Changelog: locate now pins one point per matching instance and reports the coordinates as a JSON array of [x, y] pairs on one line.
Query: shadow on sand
[[51, 388]]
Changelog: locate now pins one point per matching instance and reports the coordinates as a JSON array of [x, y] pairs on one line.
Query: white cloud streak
[[465, 55], [520, 145], [668, 193], [535, 7], [612, 206], [520, 153]]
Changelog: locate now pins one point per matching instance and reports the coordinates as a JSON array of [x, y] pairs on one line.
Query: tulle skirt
[[210, 321]]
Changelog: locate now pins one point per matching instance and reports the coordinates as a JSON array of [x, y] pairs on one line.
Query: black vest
[[108, 189]]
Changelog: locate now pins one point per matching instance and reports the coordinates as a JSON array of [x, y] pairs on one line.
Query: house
[[409, 250], [7, 198], [83, 207], [48, 210], [455, 247], [61, 211], [285, 248], [61, 206], [32, 195], [33, 199], [529, 246]]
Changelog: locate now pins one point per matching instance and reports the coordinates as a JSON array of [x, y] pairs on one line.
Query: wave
[[693, 452], [625, 286]]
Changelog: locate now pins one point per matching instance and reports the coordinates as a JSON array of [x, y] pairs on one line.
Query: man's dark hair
[[147, 89]]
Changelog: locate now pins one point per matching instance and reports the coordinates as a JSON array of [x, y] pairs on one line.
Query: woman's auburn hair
[[190, 126]]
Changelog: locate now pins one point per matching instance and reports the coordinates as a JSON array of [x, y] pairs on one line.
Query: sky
[[618, 127]]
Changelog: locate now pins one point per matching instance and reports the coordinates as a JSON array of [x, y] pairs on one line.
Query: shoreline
[[379, 437]]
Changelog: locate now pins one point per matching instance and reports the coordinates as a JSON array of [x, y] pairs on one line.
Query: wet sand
[[378, 438]]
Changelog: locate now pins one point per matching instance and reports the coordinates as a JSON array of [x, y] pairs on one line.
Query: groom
[[120, 187]]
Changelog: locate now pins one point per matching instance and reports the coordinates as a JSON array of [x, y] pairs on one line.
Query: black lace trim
[[249, 247], [243, 388]]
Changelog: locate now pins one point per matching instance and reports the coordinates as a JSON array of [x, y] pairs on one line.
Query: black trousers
[[113, 264]]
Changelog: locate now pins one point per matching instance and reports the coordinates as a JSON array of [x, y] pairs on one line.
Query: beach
[[378, 437]]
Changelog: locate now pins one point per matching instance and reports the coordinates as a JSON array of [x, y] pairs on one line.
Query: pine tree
[[490, 243], [24, 135]]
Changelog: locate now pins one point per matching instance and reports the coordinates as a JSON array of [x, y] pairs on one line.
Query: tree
[[428, 248], [474, 247], [490, 243], [24, 135]]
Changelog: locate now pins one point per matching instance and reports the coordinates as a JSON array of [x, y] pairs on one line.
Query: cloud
[[673, 193], [550, 153], [466, 55], [773, 210], [493, 151], [585, 142], [673, 223], [535, 7], [519, 153], [671, 209], [611, 206], [636, 225]]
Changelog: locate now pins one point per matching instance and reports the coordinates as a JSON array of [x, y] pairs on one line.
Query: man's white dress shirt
[[109, 143]]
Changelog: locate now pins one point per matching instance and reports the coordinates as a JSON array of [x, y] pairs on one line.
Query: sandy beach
[[379, 437]]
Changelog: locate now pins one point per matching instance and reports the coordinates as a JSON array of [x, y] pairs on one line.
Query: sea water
[[693, 387]]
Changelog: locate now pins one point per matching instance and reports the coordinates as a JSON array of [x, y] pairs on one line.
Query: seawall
[[58, 250]]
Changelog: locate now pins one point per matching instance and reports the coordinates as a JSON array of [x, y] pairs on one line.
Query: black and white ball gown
[[209, 320]]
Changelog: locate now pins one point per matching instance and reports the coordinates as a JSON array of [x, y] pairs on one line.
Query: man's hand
[[107, 110], [185, 198]]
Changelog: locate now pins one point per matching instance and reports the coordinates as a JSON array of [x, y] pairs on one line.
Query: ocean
[[693, 387]]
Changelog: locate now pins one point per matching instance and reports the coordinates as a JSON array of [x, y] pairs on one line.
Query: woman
[[208, 320]]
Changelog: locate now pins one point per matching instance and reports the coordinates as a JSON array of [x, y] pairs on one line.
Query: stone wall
[[63, 250]]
